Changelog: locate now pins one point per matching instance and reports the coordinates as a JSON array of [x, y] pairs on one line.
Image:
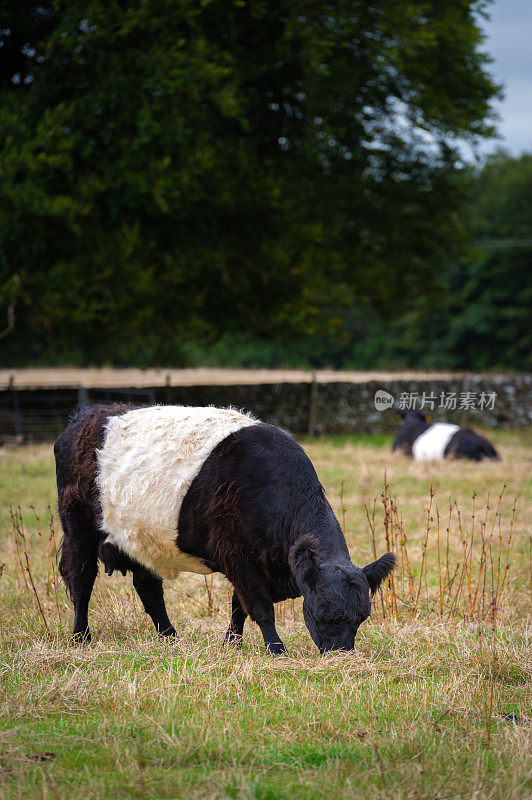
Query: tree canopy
[[492, 309], [173, 172]]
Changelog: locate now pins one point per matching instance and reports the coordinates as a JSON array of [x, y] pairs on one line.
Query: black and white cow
[[433, 441], [165, 489]]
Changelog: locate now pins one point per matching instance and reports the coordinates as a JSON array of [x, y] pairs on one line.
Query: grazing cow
[[165, 489], [426, 441]]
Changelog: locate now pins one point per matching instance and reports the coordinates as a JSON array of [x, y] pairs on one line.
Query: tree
[[174, 170], [493, 322]]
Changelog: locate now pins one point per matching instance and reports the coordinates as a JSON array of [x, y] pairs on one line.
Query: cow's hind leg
[[78, 567], [150, 590], [236, 626]]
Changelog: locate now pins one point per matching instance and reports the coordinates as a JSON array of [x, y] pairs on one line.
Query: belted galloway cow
[[165, 489], [434, 441]]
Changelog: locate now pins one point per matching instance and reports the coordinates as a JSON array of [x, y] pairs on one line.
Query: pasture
[[435, 701]]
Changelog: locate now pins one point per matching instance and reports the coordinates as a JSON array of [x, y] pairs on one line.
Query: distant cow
[[166, 489], [426, 441]]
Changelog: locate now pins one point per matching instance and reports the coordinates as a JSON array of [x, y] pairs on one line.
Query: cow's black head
[[411, 415], [336, 594]]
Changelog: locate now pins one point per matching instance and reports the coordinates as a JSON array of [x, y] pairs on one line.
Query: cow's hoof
[[170, 634], [81, 637], [276, 648], [233, 640]]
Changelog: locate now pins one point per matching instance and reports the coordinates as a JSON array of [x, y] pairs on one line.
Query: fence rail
[[40, 415], [34, 415]]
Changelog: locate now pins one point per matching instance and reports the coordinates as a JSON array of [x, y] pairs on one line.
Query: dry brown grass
[[421, 709]]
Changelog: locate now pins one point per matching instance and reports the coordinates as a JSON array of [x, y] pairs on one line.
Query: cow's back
[[147, 461], [430, 446]]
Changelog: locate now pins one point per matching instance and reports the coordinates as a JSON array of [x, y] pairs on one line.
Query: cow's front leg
[[272, 640], [150, 591], [257, 602], [236, 626]]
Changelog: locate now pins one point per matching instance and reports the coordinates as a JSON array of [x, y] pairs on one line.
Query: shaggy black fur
[[415, 425], [465, 443], [79, 511], [256, 511]]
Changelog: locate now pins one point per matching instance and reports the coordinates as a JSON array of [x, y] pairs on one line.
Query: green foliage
[[174, 171], [494, 323], [484, 318]]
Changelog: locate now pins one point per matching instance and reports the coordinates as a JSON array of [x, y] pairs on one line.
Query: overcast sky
[[510, 43]]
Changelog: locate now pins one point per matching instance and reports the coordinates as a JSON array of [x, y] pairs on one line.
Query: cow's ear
[[379, 570], [304, 562]]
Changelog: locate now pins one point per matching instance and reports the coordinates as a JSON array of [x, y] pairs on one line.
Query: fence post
[[167, 389], [466, 386], [83, 396], [16, 409], [313, 403]]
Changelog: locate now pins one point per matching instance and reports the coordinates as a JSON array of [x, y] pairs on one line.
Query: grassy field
[[435, 701]]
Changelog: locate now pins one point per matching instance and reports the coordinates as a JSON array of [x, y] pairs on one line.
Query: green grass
[[415, 712]]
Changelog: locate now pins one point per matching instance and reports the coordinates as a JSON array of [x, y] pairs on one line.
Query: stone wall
[[343, 407], [320, 407], [350, 408]]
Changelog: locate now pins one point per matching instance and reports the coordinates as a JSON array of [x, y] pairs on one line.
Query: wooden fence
[[40, 414]]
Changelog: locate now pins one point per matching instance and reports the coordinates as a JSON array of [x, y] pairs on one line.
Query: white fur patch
[[149, 458], [430, 446]]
